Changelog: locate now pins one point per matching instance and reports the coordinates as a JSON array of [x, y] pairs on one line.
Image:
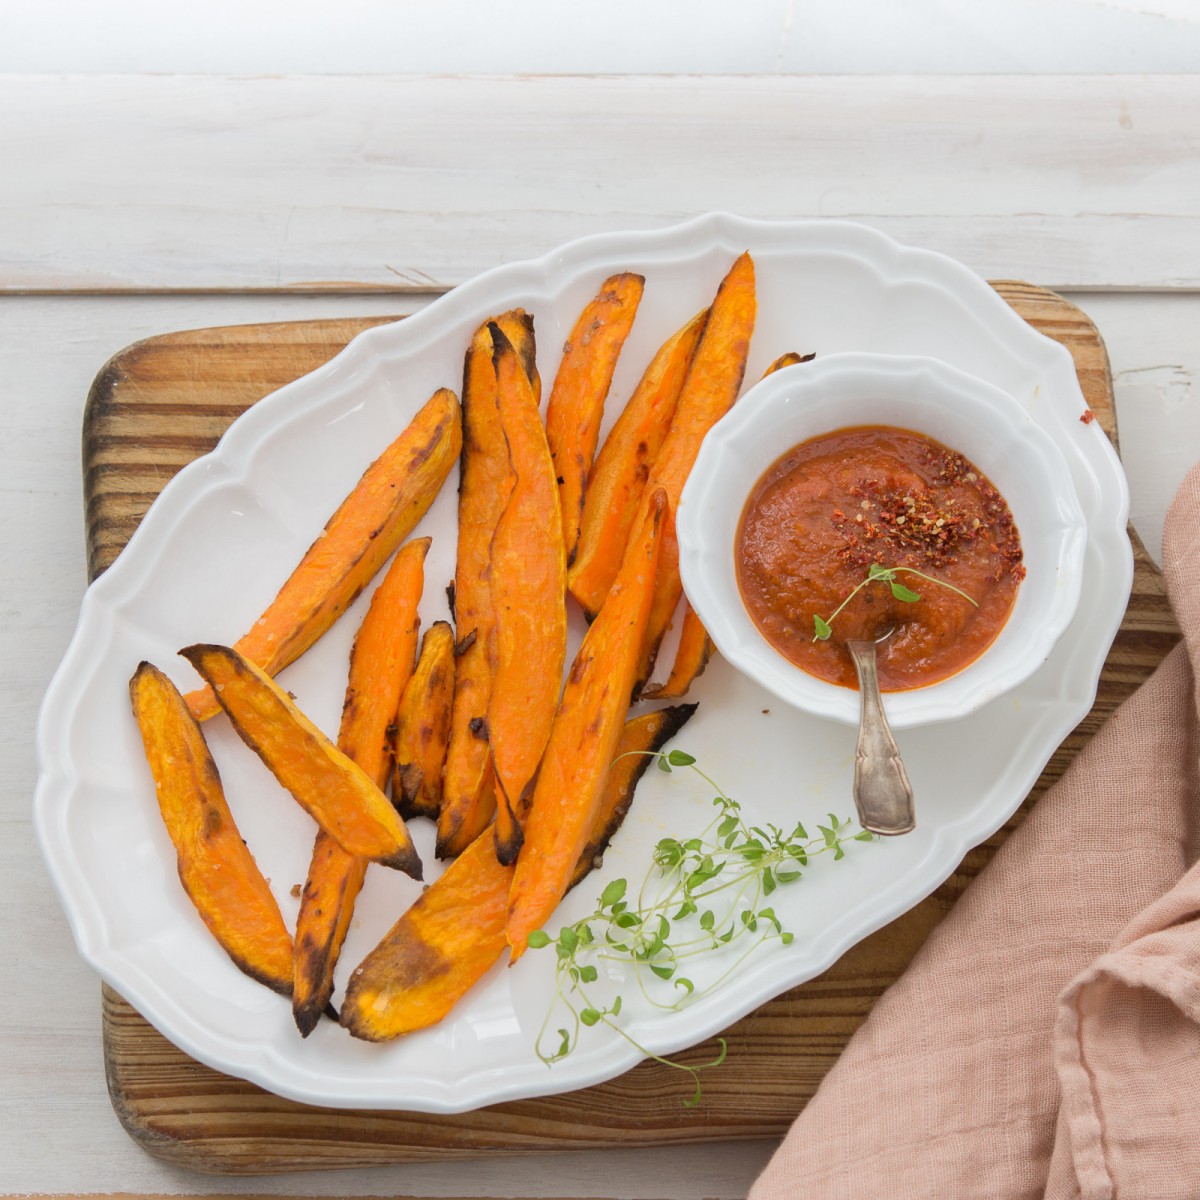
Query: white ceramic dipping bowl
[[926, 396]]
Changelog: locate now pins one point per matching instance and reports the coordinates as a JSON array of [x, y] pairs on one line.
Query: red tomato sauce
[[831, 507]]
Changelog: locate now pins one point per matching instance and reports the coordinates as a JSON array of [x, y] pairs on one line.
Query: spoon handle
[[882, 793]]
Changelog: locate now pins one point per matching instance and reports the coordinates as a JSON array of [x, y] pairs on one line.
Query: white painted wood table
[[135, 205]]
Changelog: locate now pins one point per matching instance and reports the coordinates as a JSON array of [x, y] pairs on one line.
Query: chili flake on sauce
[[831, 507]]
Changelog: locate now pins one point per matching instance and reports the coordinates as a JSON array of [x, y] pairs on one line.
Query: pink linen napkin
[[1046, 1039]]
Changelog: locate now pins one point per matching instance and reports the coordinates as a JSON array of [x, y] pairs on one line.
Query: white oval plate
[[227, 530]]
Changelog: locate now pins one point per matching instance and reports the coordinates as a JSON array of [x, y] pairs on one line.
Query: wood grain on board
[[162, 402]]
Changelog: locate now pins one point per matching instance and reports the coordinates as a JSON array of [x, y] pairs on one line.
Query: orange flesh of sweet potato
[[423, 727], [640, 739], [387, 502], [695, 649], [695, 646], [216, 868], [336, 793], [448, 939], [381, 662], [708, 392], [529, 598], [614, 489], [582, 742], [485, 481], [576, 405], [455, 931]]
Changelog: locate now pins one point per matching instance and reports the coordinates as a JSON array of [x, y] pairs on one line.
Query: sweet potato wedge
[[790, 359], [336, 793], [485, 481], [455, 931], [584, 737], [216, 868], [695, 646], [448, 939], [695, 649], [576, 405], [640, 739], [614, 489], [381, 662], [382, 510], [528, 582], [423, 727], [711, 386]]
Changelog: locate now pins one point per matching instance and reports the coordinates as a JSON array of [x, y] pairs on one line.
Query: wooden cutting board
[[161, 403]]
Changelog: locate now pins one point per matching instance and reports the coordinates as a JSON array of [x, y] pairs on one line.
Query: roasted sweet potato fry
[[423, 727], [709, 390], [584, 737], [576, 405], [485, 480], [695, 646], [614, 489], [216, 868], [528, 579], [695, 649], [448, 939], [790, 359], [640, 739], [336, 793], [382, 510], [455, 930], [381, 662]]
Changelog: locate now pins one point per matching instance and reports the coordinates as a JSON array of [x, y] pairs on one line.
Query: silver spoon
[[882, 793]]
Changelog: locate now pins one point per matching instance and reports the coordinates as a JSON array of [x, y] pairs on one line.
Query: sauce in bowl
[[831, 507]]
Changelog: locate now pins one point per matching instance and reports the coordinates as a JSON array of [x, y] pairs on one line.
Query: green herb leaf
[[646, 927], [822, 629], [905, 594]]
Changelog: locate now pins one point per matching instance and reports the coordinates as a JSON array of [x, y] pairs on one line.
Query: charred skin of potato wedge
[[576, 405], [712, 384], [529, 584], [695, 649], [695, 646], [614, 490], [381, 662], [216, 868], [393, 494], [455, 931], [485, 481], [423, 727], [587, 726], [328, 785]]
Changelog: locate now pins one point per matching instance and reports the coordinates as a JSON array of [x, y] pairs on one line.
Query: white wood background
[[134, 205]]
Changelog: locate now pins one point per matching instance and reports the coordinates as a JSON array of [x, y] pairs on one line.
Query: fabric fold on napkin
[[1046, 1039]]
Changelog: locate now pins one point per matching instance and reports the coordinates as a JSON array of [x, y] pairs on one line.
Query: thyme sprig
[[878, 573], [699, 895]]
